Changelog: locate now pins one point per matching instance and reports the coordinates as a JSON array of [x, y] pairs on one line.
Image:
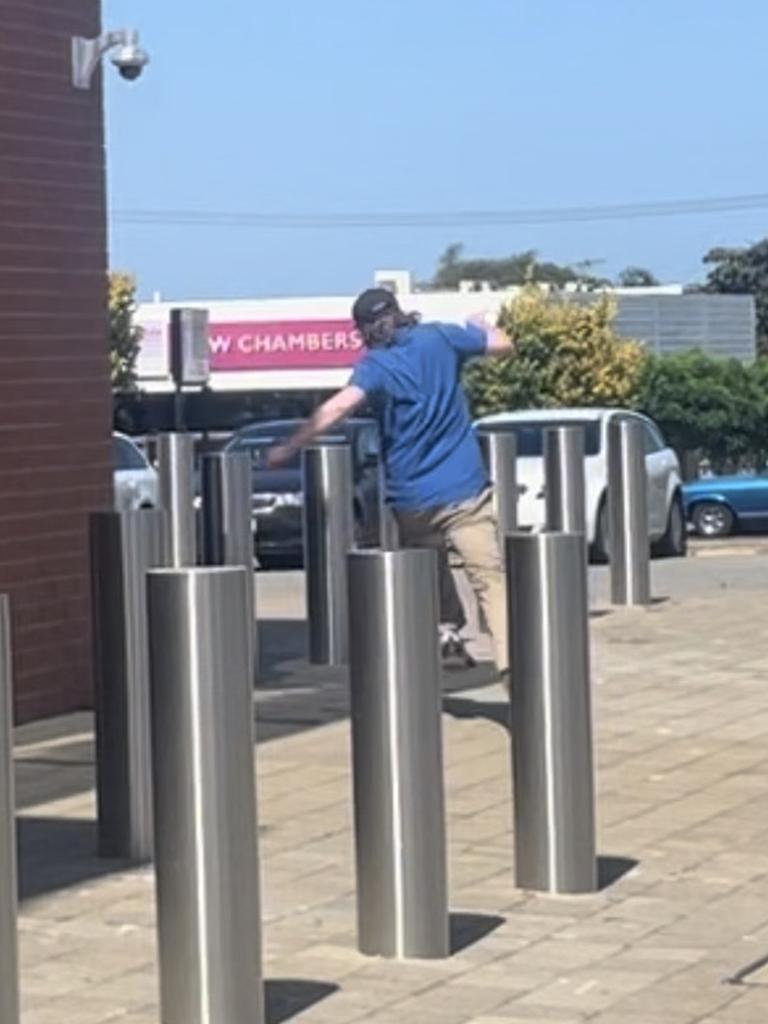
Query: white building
[[310, 344]]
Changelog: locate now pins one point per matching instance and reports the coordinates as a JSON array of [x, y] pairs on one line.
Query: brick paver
[[681, 724]]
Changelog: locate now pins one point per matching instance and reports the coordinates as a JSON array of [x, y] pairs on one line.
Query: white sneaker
[[453, 650]]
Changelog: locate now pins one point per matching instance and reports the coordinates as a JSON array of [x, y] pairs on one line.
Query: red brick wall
[[54, 393]]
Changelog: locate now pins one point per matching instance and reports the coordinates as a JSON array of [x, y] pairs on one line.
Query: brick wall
[[54, 393]]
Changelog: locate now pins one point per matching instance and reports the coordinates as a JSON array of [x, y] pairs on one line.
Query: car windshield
[[530, 434], [126, 455]]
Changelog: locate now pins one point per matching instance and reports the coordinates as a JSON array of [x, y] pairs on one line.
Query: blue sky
[[334, 106]]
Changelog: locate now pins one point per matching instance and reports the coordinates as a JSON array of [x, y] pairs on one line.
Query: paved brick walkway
[[682, 730]]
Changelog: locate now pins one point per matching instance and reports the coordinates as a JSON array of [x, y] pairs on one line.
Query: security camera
[[129, 58]]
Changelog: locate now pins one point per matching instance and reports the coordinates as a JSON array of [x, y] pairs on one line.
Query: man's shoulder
[[431, 327], [428, 332]]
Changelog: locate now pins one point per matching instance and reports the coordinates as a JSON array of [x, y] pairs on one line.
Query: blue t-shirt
[[431, 455]]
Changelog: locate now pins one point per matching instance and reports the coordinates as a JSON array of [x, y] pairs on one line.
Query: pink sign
[[284, 345]]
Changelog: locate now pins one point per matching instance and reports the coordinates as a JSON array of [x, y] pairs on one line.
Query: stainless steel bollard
[[551, 713], [564, 484], [9, 948], [397, 754], [176, 468], [206, 856], [628, 514], [500, 451], [227, 519], [124, 545], [328, 537], [227, 512]]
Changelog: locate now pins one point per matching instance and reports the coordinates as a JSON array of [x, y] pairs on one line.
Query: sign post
[[190, 356]]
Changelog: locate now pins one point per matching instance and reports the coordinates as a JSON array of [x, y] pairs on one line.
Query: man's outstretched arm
[[323, 419]]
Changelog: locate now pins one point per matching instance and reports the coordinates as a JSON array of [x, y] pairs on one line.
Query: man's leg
[[416, 530], [451, 609], [472, 529]]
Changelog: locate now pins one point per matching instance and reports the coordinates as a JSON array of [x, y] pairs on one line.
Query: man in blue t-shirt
[[435, 476]]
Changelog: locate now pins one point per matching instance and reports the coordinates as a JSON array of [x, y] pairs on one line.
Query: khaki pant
[[470, 528]]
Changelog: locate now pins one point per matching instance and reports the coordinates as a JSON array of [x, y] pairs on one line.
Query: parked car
[[278, 500], [666, 518], [135, 481], [716, 506]]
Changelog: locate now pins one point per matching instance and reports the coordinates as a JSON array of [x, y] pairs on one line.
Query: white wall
[[447, 306], [153, 316]]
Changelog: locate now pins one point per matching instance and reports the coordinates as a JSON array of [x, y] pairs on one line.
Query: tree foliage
[[716, 407], [124, 335], [567, 354], [743, 271], [636, 277], [518, 269]]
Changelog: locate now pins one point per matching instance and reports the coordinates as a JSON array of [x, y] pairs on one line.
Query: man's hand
[[278, 455], [485, 321], [499, 342]]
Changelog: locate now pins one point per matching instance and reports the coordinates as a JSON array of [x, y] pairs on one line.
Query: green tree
[[636, 277], [124, 335], [715, 407], [567, 354], [518, 269], [743, 271]]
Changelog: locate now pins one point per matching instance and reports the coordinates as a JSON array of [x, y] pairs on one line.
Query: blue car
[[719, 505]]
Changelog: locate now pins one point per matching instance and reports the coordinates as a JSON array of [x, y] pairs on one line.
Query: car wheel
[[601, 548], [710, 519], [674, 543]]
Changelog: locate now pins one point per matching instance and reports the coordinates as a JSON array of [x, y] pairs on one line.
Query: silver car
[[135, 480]]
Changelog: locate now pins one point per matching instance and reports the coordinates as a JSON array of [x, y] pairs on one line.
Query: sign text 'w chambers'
[[284, 345]]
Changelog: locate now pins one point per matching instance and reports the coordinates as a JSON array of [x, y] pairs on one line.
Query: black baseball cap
[[372, 304]]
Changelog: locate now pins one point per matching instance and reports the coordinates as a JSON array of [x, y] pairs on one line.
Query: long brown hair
[[381, 332]]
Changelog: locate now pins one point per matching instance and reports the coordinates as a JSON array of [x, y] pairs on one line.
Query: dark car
[[719, 505], [278, 499]]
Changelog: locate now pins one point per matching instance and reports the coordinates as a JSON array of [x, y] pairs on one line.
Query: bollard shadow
[[56, 853], [612, 869], [467, 929], [288, 997], [473, 677], [498, 712], [282, 646]]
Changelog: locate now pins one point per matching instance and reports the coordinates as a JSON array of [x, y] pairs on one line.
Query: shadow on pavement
[[56, 759], [467, 929], [611, 869], [292, 695], [66, 771], [288, 997], [494, 711], [56, 853], [282, 648]]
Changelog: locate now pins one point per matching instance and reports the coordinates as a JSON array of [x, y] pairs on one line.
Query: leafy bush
[[567, 354]]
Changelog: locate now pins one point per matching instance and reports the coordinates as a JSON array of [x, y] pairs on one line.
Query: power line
[[462, 218]]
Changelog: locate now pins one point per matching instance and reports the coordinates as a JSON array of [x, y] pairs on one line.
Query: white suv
[[666, 518]]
